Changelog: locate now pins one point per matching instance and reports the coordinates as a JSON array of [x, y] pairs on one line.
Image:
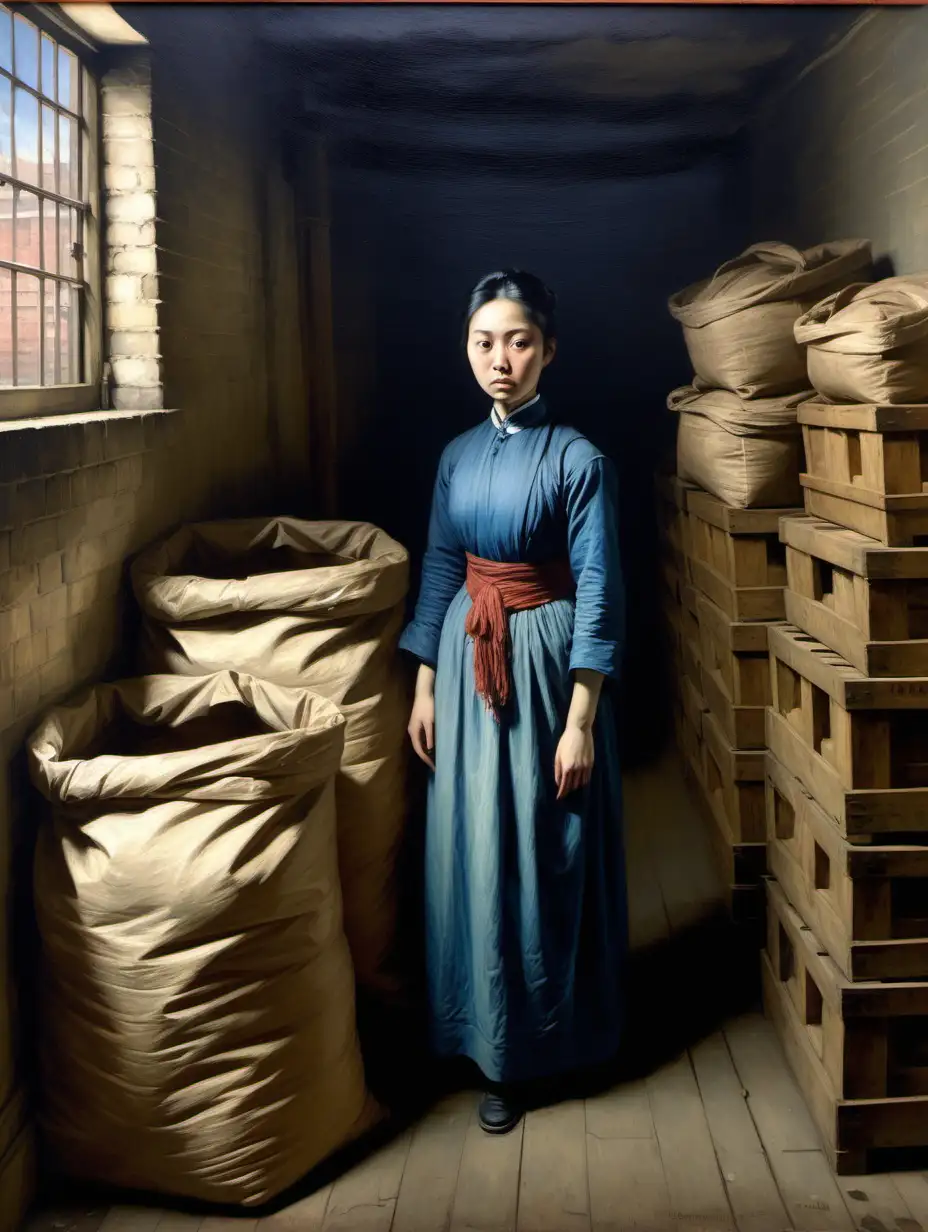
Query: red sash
[[496, 589]]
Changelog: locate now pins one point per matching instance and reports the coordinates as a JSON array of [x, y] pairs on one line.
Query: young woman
[[519, 622]]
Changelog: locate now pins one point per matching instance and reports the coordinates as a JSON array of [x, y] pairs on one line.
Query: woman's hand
[[422, 720], [573, 762]]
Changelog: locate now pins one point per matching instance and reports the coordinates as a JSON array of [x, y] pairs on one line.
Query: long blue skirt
[[525, 896]]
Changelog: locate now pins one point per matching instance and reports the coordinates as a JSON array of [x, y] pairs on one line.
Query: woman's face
[[507, 352]]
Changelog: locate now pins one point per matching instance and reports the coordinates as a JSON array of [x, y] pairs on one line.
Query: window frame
[[37, 401]]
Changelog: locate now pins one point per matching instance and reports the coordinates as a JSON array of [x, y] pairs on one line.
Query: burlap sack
[[315, 605], [869, 343], [738, 324], [198, 1027], [746, 453]]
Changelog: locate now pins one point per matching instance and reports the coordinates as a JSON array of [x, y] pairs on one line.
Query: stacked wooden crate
[[724, 575], [738, 572], [674, 578], [846, 962]]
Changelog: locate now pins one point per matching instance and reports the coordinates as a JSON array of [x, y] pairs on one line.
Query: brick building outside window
[[49, 271]]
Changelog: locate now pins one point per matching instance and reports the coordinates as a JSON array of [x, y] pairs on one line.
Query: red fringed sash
[[496, 589]]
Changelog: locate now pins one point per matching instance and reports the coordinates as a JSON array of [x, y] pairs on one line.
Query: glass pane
[[69, 82], [50, 313], [50, 236], [6, 222], [48, 67], [69, 348], [27, 330], [26, 51], [49, 162], [6, 128], [67, 233], [27, 236], [26, 132], [87, 94], [68, 170], [6, 327], [6, 40]]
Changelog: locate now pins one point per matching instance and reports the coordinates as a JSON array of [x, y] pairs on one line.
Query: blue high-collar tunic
[[526, 912]]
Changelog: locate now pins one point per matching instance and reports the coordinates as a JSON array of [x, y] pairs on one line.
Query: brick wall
[[844, 151], [188, 299]]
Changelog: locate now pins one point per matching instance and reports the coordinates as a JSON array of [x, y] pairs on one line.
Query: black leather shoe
[[497, 1115]]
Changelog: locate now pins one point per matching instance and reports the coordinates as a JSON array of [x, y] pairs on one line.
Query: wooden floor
[[712, 1137]]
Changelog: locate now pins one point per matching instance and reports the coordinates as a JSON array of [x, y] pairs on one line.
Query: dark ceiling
[[571, 91]]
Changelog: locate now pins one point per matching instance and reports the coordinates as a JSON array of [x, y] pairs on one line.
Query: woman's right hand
[[422, 720]]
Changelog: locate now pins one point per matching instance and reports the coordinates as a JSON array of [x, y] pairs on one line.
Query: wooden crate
[[671, 492], [859, 744], [740, 865], [673, 628], [737, 559], [741, 872], [672, 520], [735, 786], [671, 582], [867, 468], [694, 704], [691, 665], [866, 601], [689, 601], [690, 737], [867, 904], [690, 746], [683, 732], [857, 1050], [735, 673]]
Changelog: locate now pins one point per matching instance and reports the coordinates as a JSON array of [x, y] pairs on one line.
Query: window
[[49, 356]]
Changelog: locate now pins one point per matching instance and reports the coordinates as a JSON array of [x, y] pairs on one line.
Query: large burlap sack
[[869, 343], [316, 605], [738, 324], [747, 453], [198, 1026]]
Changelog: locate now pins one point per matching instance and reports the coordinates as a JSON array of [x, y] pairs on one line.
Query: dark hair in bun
[[538, 300]]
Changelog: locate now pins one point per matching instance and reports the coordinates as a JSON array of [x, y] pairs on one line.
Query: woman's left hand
[[573, 762]]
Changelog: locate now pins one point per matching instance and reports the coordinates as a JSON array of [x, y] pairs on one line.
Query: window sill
[[76, 419]]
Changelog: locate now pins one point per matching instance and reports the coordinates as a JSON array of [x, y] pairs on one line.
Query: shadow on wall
[[614, 251]]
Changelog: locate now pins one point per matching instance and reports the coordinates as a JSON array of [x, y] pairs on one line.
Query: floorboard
[[697, 1193], [874, 1202], [750, 1184], [487, 1196], [913, 1189], [430, 1178], [554, 1193], [805, 1180], [364, 1199], [306, 1215], [134, 1219], [628, 1189]]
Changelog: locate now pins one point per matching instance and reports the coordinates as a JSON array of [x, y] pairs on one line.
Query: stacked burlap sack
[[737, 433], [314, 605], [197, 1029], [869, 342], [219, 877]]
